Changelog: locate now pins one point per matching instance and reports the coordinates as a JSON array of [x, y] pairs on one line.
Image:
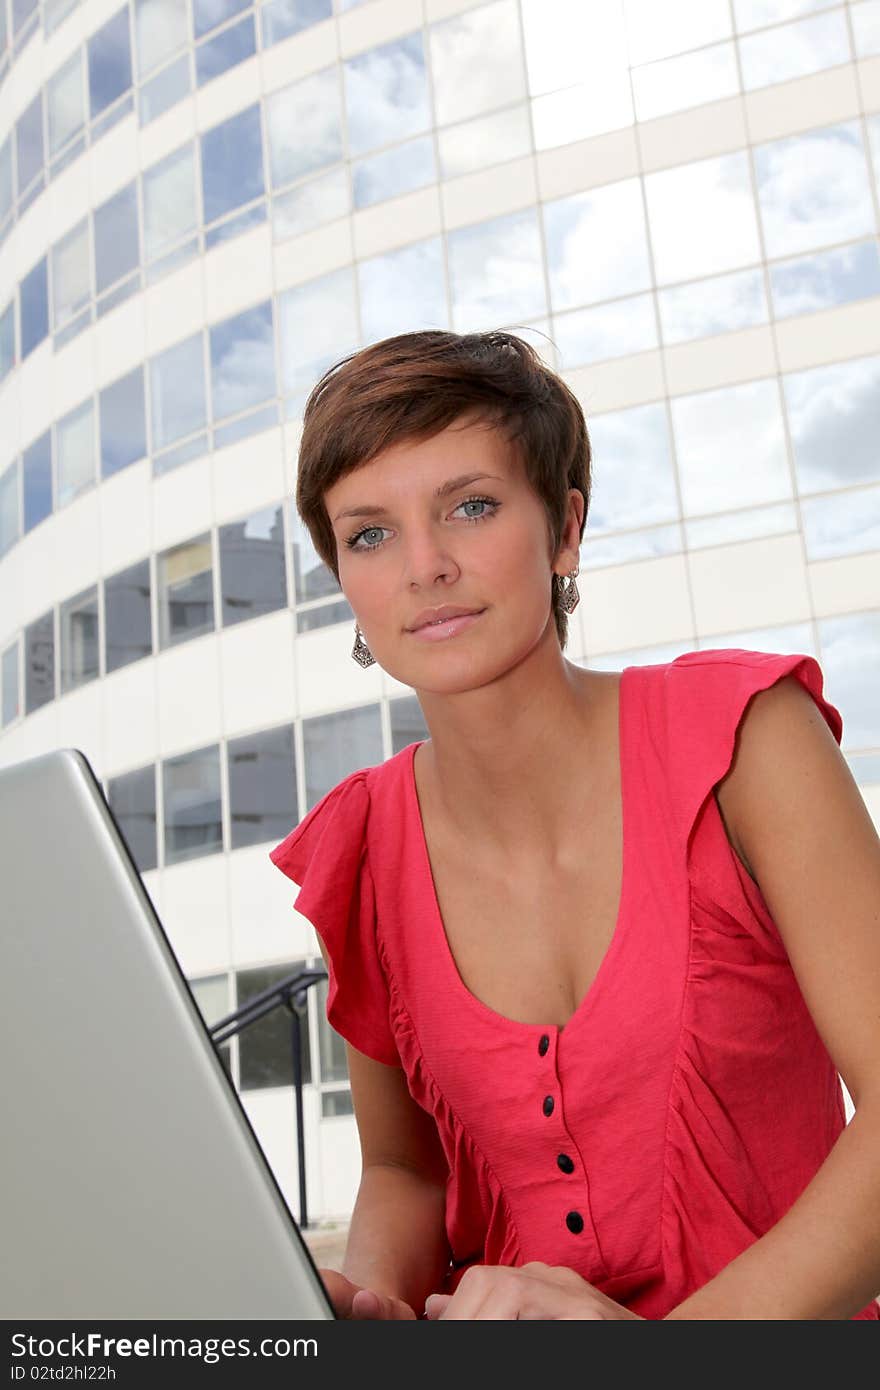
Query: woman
[[601, 944]]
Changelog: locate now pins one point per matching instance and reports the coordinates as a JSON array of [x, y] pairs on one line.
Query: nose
[[427, 558]]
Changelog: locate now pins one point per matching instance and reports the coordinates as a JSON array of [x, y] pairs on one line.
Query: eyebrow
[[451, 485]]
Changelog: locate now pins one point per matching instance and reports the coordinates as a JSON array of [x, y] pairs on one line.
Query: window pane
[[830, 278], [323, 615], [262, 787], [690, 80], [164, 90], [611, 330], [752, 14], [282, 18], [123, 423], [731, 447], [34, 291], [403, 291], [794, 50], [335, 1103], [834, 419], [866, 28], [177, 392], [6, 194], [65, 101], [9, 519], [132, 799], [334, 1063], [596, 245], [242, 361], [851, 661], [170, 212], [186, 595], [117, 249], [191, 795], [75, 453], [477, 61], [496, 273], [7, 339], [160, 29], [336, 744], [128, 630], [71, 275], [79, 640], [386, 94], [393, 172], [232, 163], [109, 62], [484, 141], [407, 725], [656, 31], [582, 50], [252, 566], [226, 50], [318, 327], [29, 144], [720, 231], [319, 200], [11, 705], [814, 189], [211, 994], [718, 305], [37, 466], [311, 577], [264, 1049], [304, 122], [634, 477], [207, 14], [844, 524], [39, 662]]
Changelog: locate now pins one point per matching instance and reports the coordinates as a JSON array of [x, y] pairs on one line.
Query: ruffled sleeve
[[326, 855], [706, 695]]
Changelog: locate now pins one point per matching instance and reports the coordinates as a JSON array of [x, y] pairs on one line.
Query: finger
[[367, 1304], [436, 1304]]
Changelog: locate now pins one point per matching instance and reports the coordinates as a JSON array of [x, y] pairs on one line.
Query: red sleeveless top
[[689, 1099]]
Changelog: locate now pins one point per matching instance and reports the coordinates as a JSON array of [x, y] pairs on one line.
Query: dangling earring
[[569, 598], [360, 651]]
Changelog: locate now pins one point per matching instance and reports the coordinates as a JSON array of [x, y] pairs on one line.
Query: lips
[[433, 616]]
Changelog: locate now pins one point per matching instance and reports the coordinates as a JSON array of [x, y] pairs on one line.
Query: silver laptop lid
[[133, 1183]]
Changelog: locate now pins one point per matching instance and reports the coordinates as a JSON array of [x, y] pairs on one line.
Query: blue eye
[[352, 543]]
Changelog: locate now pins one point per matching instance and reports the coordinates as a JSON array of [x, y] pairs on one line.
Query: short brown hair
[[414, 385]]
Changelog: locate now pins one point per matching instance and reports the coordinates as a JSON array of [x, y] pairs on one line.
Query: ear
[[568, 553]]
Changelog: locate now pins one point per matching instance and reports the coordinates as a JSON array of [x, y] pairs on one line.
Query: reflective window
[[75, 452], [874, 140], [633, 476], [282, 18], [34, 291], [37, 479], [191, 801], [109, 62], [657, 31], [21, 13], [794, 50], [334, 1063], [403, 291], [226, 50], [731, 447], [407, 723], [484, 141], [814, 189], [752, 14], [834, 420], [71, 275], [629, 546], [184, 575], [6, 194], [207, 14], [477, 61], [495, 271], [719, 305], [611, 330], [7, 339], [55, 12], [336, 744], [160, 28], [9, 510], [323, 615], [851, 662], [304, 124], [128, 629], [318, 327], [164, 90], [177, 392], [577, 113], [252, 579], [386, 94], [232, 163], [132, 799], [123, 422], [29, 144], [596, 245], [264, 1049], [169, 192], [11, 700], [746, 525], [825, 280], [581, 49], [39, 662], [78, 628], [65, 103], [312, 579], [211, 994], [242, 361], [866, 27], [720, 231], [117, 250], [690, 80], [842, 524], [262, 787], [395, 171], [310, 204]]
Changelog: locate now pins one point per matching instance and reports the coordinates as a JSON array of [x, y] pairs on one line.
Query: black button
[[543, 1044], [565, 1163], [548, 1105], [575, 1222]]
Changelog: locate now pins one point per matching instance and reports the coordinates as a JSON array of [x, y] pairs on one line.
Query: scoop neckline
[[438, 926]]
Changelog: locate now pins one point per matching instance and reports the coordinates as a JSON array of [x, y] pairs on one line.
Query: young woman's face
[[482, 544]]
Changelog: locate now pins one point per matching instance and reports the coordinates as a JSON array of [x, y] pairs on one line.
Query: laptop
[[133, 1183]]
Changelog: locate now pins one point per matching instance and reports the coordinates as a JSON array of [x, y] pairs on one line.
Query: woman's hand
[[527, 1291], [353, 1301]]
